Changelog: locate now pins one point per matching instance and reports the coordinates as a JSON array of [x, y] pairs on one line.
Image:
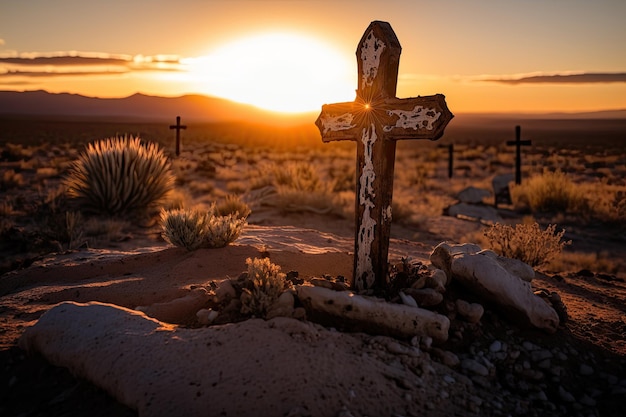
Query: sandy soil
[[594, 335], [579, 370]]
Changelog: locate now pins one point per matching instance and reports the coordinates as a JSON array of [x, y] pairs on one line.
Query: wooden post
[[178, 127], [518, 142], [375, 120]]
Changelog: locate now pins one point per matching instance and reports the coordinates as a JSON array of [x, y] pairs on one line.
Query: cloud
[[2, 42], [569, 78], [80, 64]]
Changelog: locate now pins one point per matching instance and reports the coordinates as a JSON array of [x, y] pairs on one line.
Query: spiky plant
[[184, 228], [120, 176], [263, 285], [193, 229]]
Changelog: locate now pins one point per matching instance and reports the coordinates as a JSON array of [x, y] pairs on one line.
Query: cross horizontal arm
[[409, 118]]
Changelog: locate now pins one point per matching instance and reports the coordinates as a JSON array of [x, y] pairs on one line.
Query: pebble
[[540, 355], [471, 312], [475, 367], [585, 369], [565, 395], [496, 346], [587, 400], [529, 346]]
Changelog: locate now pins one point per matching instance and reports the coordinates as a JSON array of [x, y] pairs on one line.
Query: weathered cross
[[178, 127], [518, 142], [375, 120]]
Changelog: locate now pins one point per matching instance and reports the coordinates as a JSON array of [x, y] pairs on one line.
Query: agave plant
[[120, 176]]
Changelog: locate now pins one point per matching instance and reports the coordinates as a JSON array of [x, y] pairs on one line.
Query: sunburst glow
[[280, 72]]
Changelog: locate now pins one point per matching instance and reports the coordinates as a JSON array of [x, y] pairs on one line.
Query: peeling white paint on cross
[[375, 120]]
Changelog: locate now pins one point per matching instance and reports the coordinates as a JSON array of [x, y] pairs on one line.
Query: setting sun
[[279, 72]]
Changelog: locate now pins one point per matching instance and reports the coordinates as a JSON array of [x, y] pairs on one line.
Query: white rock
[[408, 300], [514, 266], [473, 195], [374, 316], [441, 256], [486, 277]]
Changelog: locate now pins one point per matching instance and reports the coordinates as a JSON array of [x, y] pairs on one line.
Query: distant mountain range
[[142, 107], [199, 108]]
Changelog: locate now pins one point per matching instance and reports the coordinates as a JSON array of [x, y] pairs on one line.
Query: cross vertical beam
[[518, 142], [375, 120], [178, 127]]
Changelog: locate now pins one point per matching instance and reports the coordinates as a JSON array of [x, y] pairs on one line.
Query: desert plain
[[301, 196]]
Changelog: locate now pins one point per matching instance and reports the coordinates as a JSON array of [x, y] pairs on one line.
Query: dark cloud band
[[584, 78]]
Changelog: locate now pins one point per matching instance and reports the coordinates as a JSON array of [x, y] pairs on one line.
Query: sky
[[528, 56]]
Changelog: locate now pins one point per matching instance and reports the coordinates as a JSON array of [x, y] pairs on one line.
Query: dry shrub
[[193, 229], [263, 285], [526, 242], [120, 176], [549, 192]]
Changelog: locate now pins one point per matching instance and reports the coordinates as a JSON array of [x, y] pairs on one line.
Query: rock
[[474, 367], [425, 297], [283, 307], [407, 299], [486, 277], [347, 309], [180, 310], [500, 184], [515, 267], [565, 395], [473, 195], [159, 369], [446, 357], [206, 316], [585, 369], [485, 214], [472, 313], [437, 281], [330, 284], [225, 291], [496, 346], [441, 256]]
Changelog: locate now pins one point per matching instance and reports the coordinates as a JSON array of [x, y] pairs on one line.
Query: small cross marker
[[376, 119], [178, 127], [518, 142]]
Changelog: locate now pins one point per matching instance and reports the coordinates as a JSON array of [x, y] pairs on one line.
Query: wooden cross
[[375, 120], [518, 142], [178, 127]]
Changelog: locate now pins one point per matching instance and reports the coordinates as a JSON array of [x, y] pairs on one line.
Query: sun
[[282, 72]]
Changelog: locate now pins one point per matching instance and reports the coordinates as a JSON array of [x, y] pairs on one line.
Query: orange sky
[[484, 55]]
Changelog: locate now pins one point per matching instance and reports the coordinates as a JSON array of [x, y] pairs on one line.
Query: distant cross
[[375, 120], [178, 127], [450, 158], [518, 142]]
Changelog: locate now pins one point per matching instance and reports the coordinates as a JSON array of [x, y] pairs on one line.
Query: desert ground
[[49, 256]]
